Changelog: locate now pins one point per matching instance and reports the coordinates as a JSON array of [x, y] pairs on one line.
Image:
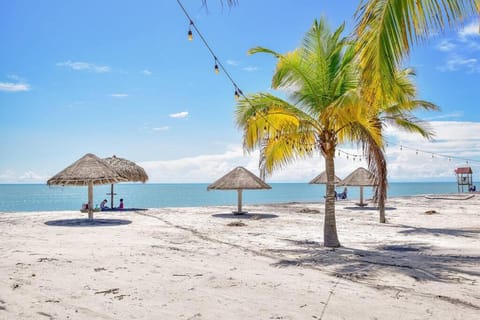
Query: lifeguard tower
[[464, 178]]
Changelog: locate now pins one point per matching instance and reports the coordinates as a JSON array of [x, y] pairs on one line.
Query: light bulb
[[217, 71], [237, 96]]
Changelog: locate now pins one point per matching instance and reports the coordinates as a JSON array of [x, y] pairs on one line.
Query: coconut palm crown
[[324, 108]]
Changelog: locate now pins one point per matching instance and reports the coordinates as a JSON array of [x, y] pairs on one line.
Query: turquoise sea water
[[39, 197]]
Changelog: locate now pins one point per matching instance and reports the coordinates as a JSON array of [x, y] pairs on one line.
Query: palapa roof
[[238, 178], [359, 177], [322, 179], [127, 169], [463, 170], [88, 168]]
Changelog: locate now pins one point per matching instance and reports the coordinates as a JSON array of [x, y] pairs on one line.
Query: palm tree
[[396, 110], [385, 33], [325, 108]]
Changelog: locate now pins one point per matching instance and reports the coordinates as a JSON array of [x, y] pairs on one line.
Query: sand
[[204, 263]]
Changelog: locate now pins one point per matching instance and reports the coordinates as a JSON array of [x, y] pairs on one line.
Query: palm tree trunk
[[378, 165], [330, 237]]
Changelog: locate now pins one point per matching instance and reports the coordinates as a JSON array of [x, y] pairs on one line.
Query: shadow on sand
[[419, 261], [253, 216], [359, 208], [87, 222], [416, 260]]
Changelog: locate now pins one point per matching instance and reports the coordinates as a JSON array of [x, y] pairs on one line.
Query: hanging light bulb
[[190, 34], [217, 71], [237, 95]]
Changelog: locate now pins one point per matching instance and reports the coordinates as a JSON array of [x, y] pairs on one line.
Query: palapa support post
[[112, 194], [361, 196], [90, 199], [239, 198]]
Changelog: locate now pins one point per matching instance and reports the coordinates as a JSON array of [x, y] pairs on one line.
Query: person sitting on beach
[[343, 195], [120, 206], [473, 188], [103, 205]]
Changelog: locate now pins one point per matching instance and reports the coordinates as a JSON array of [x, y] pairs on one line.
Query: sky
[[121, 78]]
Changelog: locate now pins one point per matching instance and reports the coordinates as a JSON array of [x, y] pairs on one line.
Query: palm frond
[[386, 30]]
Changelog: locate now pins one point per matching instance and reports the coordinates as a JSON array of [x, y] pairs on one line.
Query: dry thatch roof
[[88, 168], [127, 169], [322, 179], [237, 179], [359, 177]]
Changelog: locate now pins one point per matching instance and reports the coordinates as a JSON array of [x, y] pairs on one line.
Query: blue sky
[[120, 77]]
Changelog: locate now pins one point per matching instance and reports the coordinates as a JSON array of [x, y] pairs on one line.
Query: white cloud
[[147, 72], [460, 63], [14, 87], [200, 168], [164, 128], [470, 30], [119, 95], [84, 66], [29, 176], [455, 139], [446, 45], [232, 62], [250, 69], [462, 52], [179, 115]]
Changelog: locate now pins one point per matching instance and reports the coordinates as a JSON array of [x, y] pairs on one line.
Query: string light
[[190, 33], [237, 93], [435, 154], [218, 64], [217, 71]]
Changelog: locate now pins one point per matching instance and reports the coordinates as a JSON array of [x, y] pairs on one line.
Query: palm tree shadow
[[468, 233], [415, 260], [87, 222]]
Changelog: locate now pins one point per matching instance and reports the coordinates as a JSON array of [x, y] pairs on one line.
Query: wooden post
[[90, 200], [361, 195], [111, 196], [239, 209]]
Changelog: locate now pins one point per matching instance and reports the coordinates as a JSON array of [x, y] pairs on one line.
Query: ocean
[[39, 197]]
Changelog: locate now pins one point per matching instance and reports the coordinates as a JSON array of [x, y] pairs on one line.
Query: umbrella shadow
[[252, 216], [87, 222]]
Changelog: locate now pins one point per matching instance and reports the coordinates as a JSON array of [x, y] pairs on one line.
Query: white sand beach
[[188, 263]]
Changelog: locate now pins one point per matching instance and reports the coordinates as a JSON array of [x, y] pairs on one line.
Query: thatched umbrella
[[360, 177], [322, 179], [89, 170], [128, 170], [239, 179]]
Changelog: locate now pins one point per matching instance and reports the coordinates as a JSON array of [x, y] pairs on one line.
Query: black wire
[[240, 93]]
